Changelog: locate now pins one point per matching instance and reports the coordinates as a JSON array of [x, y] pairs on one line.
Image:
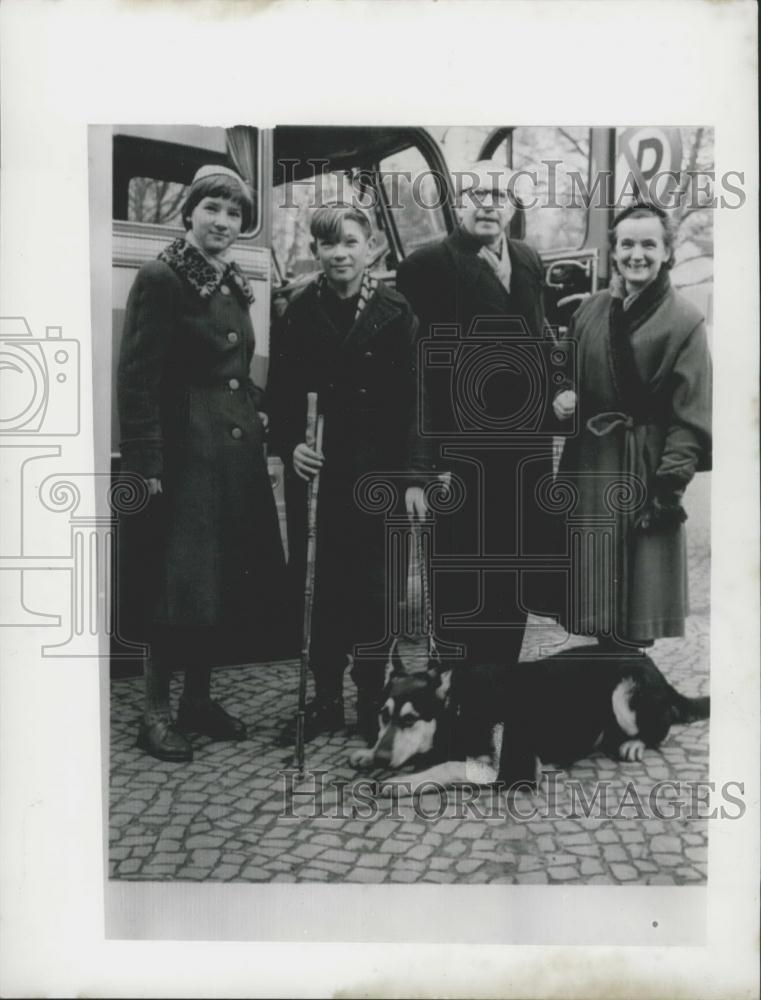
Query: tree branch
[[580, 149], [692, 163]]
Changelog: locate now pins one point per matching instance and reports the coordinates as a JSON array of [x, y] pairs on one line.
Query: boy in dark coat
[[351, 340]]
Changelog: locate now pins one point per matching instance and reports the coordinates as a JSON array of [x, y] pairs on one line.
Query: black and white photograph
[[496, 514], [386, 526]]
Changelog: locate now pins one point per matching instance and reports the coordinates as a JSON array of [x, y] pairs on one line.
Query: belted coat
[[189, 416], [643, 382]]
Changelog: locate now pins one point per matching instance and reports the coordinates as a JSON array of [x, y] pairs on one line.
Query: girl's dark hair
[[219, 186], [644, 210], [327, 222]]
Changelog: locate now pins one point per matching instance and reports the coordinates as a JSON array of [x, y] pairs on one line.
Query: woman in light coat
[[642, 396]]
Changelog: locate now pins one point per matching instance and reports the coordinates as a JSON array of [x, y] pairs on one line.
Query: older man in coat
[[478, 297]]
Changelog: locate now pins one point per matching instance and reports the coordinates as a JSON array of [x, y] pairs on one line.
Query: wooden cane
[[314, 440]]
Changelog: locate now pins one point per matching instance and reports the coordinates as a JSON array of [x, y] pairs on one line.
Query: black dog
[[500, 724]]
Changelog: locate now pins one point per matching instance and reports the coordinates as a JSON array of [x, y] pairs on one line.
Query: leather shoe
[[160, 739], [209, 718]]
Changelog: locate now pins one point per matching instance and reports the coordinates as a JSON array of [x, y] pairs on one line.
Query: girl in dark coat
[[644, 399], [191, 428]]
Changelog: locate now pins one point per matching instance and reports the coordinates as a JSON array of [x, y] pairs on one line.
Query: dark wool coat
[[448, 283], [366, 383], [650, 433], [188, 413]]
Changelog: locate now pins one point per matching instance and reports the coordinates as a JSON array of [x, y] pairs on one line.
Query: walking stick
[[314, 440], [425, 605]]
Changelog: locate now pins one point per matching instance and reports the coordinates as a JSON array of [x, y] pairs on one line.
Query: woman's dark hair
[[219, 186], [327, 222], [644, 210]]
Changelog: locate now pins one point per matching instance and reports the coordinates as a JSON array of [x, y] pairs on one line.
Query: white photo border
[[72, 64]]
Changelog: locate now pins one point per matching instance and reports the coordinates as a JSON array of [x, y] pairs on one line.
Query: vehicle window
[[292, 207], [154, 166], [414, 199], [559, 219], [151, 200]]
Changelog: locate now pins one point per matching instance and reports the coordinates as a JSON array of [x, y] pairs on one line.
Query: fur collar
[[191, 265]]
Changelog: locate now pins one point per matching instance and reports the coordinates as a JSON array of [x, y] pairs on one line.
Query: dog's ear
[[394, 665], [435, 667], [445, 682]]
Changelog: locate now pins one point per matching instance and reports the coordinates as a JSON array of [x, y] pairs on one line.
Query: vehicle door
[[398, 175]]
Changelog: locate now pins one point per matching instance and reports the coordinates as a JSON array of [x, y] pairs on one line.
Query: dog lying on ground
[[495, 724]]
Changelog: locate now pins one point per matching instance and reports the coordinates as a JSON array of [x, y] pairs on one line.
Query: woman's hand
[[306, 461], [154, 486], [662, 512], [414, 501], [564, 404], [264, 419]]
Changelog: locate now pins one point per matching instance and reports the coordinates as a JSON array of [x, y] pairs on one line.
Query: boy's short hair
[[327, 221], [219, 185]]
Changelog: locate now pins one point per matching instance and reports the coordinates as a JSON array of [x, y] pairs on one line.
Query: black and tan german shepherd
[[497, 724]]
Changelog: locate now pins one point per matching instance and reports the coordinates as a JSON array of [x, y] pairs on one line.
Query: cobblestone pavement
[[225, 816]]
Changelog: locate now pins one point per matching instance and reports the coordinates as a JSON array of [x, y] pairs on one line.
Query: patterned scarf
[[191, 265], [366, 291], [499, 262]]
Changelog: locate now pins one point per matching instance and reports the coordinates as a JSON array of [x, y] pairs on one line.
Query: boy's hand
[[414, 501], [154, 486], [564, 404], [306, 461]]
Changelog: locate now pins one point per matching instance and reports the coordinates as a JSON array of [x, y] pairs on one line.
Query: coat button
[[362, 392], [368, 354], [232, 337], [224, 289], [233, 383], [236, 433]]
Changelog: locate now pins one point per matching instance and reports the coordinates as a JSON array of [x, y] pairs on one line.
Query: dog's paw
[[362, 758], [631, 750]]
